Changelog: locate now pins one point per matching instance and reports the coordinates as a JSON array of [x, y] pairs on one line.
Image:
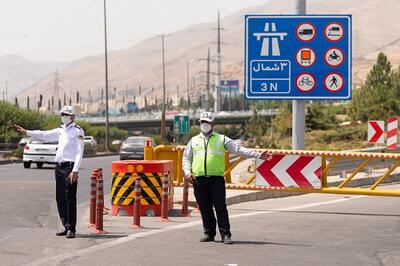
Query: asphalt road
[[299, 230]]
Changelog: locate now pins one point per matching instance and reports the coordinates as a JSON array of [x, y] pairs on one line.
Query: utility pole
[[188, 88], [217, 100], [207, 96], [56, 89], [298, 106], [106, 71], [163, 103], [6, 91]]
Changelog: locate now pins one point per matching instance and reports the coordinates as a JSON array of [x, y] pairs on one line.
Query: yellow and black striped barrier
[[123, 186]]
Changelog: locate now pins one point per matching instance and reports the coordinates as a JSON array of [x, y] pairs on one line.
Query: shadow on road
[[257, 243], [104, 236]]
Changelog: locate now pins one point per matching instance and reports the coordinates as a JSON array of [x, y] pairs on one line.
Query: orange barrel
[[123, 186]]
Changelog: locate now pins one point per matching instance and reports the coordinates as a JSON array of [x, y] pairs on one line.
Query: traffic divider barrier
[[92, 202], [185, 199], [151, 174], [392, 133], [136, 206], [165, 194], [308, 172], [99, 203]]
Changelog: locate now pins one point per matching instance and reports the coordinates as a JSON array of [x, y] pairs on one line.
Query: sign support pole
[[298, 106]]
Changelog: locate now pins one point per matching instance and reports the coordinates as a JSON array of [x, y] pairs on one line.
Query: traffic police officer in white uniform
[[68, 160], [204, 167]]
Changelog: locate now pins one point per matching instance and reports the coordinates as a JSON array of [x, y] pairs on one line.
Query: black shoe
[[62, 233], [207, 238], [70, 234], [227, 240]]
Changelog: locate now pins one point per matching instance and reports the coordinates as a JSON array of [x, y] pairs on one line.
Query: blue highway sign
[[298, 57], [227, 86]]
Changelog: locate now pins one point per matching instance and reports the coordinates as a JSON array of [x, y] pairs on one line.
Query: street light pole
[[163, 104], [106, 70], [188, 87], [217, 93]]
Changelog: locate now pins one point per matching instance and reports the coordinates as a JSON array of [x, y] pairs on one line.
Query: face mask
[[205, 127], [66, 120]]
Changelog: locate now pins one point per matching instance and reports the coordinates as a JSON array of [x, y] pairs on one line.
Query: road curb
[[100, 155], [3, 162]]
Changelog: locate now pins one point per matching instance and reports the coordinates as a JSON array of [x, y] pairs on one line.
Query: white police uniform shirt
[[70, 142]]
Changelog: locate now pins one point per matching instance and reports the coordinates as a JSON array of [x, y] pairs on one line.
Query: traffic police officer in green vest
[[204, 167]]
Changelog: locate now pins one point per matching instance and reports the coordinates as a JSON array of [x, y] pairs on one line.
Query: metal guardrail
[[8, 146], [142, 116]]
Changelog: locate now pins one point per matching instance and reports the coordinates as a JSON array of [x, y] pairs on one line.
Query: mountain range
[[376, 27]]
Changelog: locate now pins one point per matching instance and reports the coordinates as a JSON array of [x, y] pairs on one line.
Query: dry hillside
[[376, 27]]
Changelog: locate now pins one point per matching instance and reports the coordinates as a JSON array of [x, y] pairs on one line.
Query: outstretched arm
[[51, 135]]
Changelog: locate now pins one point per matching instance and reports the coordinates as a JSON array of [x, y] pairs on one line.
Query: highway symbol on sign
[[333, 82], [334, 57], [306, 32], [274, 39], [289, 171], [334, 31], [305, 82], [305, 57], [375, 131]]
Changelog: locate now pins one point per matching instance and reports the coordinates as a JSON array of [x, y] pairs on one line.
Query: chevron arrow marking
[[289, 171], [375, 131]]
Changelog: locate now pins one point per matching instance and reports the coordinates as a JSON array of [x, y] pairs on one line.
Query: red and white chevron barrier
[[392, 133], [375, 131], [288, 171]]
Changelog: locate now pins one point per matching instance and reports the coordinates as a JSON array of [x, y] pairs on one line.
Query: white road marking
[[56, 259]]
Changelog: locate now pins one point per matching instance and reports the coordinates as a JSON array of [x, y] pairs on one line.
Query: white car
[[90, 144], [39, 152]]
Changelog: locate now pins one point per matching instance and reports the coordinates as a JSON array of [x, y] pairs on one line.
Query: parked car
[[116, 142], [90, 140], [133, 147], [22, 142], [39, 152]]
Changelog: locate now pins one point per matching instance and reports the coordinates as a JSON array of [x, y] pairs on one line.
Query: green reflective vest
[[208, 157]]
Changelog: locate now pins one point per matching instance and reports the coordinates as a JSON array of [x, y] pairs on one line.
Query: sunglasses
[[62, 114]]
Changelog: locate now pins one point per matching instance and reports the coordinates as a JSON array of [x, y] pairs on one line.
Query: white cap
[[68, 110], [206, 116]]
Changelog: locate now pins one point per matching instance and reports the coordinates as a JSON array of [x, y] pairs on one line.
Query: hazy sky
[[63, 30]]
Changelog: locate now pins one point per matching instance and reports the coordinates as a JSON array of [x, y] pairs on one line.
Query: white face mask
[[205, 127], [66, 120]]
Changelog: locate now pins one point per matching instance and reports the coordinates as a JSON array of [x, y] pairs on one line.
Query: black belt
[[209, 176], [63, 164]]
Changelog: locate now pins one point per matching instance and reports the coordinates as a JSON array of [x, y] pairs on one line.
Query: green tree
[[378, 97], [319, 117]]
